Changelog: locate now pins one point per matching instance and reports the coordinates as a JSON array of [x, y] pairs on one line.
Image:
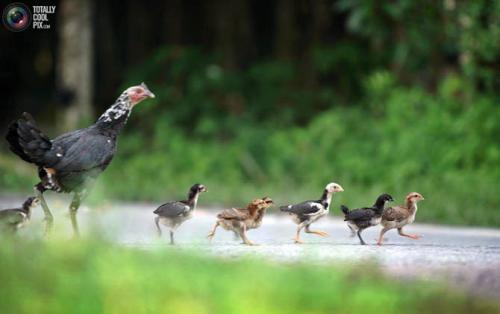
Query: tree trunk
[[74, 65], [286, 30]]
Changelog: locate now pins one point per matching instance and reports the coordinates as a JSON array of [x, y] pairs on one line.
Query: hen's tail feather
[[344, 209], [28, 142]]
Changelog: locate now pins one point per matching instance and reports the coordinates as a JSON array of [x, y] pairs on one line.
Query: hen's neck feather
[[116, 116]]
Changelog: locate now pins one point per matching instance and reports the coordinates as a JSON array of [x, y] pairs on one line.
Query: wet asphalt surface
[[462, 257]]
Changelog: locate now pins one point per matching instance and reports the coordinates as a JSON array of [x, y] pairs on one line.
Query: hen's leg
[[320, 233], [73, 209], [157, 223], [172, 242], [49, 219], [411, 236], [381, 236], [212, 232], [360, 238]]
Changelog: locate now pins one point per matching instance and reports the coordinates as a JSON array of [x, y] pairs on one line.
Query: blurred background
[[273, 98]]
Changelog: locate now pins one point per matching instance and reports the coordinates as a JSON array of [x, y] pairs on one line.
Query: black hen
[[71, 161], [362, 218], [173, 214]]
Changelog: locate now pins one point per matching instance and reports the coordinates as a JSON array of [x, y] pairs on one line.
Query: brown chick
[[239, 220], [400, 216]]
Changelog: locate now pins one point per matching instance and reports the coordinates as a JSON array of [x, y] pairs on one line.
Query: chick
[[362, 218], [400, 216], [15, 218], [305, 213], [173, 214], [239, 220]]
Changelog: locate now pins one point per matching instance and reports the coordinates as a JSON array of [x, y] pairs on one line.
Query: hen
[[240, 220], [400, 216], [71, 161]]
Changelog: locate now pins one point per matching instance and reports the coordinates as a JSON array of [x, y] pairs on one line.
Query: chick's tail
[[285, 208], [344, 209]]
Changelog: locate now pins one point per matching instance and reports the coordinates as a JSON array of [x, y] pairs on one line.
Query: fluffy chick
[[239, 220], [400, 216], [173, 214], [305, 213], [365, 217], [15, 218]]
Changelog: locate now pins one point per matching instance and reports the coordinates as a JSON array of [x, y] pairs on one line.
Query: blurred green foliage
[[421, 41], [92, 277]]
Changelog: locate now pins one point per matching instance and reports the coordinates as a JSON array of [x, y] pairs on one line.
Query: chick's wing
[[234, 214], [396, 213]]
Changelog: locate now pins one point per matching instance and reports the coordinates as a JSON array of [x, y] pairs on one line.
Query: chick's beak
[[340, 189]]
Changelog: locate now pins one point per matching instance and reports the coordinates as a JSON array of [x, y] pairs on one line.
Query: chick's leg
[[212, 232], [320, 233], [297, 235], [360, 238], [157, 223], [49, 219], [353, 232], [243, 235], [411, 236], [381, 236]]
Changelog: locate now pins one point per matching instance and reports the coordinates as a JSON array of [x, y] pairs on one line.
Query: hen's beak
[[147, 91], [340, 189]]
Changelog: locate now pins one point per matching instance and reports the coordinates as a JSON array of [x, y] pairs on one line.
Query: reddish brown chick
[[239, 220], [400, 216]]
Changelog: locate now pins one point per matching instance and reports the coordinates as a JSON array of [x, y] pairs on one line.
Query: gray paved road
[[464, 257]]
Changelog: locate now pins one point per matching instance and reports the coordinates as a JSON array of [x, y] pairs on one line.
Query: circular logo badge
[[16, 17]]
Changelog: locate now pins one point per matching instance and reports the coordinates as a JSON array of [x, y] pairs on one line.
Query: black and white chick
[[361, 218], [15, 218], [173, 214], [305, 213]]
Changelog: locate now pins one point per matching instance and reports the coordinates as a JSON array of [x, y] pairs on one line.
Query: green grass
[[87, 277]]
